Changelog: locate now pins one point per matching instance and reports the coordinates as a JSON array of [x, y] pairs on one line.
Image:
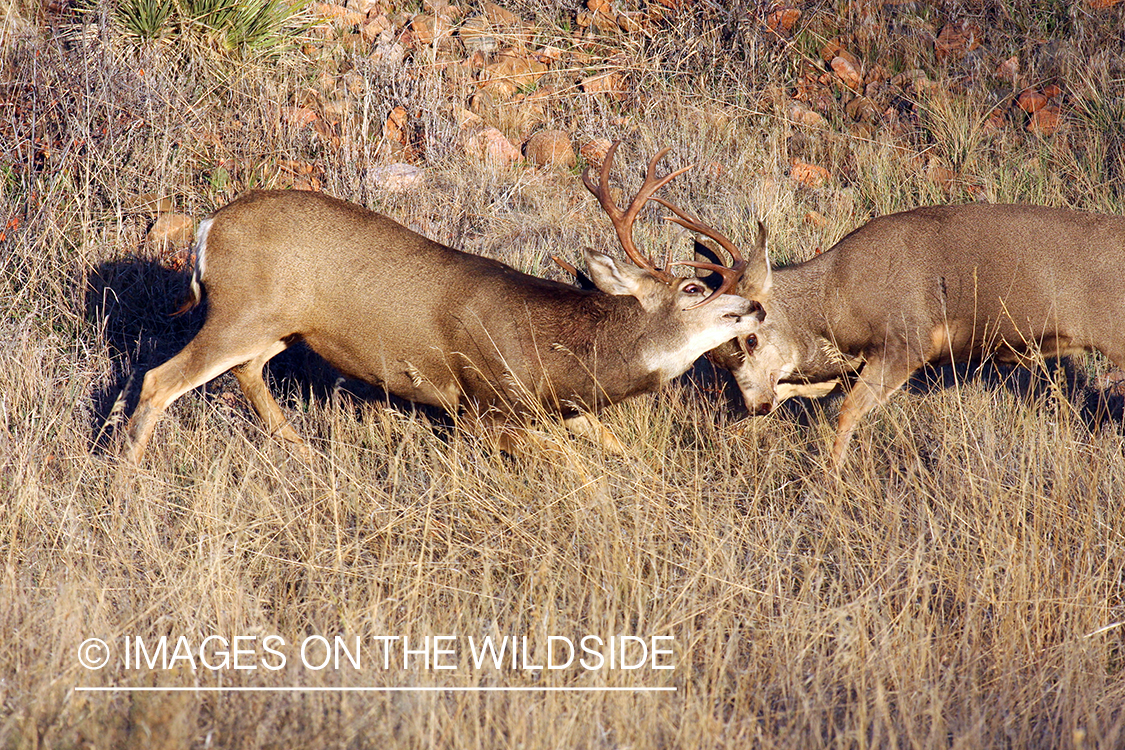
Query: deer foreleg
[[882, 375], [589, 427]]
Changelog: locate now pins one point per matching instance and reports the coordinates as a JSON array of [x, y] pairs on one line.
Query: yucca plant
[[242, 28], [260, 28], [145, 20]]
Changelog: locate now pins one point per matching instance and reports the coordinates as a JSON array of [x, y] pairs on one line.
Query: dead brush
[[960, 585]]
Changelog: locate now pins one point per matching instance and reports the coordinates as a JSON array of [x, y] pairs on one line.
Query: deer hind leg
[[1115, 353], [211, 353], [254, 387], [882, 375]]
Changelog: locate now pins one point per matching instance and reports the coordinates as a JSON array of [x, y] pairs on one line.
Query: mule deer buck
[[930, 286], [432, 324]]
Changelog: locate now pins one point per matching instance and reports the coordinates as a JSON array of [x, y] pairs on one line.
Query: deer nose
[[763, 409]]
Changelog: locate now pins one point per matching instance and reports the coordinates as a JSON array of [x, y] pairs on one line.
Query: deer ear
[[580, 278], [613, 277], [758, 278]]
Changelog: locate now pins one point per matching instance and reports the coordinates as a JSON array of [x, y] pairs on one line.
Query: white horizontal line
[[394, 689]]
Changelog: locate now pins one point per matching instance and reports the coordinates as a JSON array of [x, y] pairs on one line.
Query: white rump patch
[[200, 248]]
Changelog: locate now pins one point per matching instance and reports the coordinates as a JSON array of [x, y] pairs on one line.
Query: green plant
[[239, 28], [1038, 18], [247, 28], [144, 20]]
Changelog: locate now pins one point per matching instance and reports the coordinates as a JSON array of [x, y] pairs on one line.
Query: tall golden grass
[[959, 585]]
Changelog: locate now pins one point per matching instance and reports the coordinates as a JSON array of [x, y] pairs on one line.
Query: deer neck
[[586, 350], [799, 312]]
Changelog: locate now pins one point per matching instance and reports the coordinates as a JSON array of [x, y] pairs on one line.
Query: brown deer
[[930, 286], [432, 324]]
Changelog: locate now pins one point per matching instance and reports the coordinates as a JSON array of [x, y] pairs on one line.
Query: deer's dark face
[[758, 362]]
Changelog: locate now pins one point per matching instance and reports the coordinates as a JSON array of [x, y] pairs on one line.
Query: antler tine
[[601, 190], [692, 224], [730, 275], [623, 220], [651, 184]]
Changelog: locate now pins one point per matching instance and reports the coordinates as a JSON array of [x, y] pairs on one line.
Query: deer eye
[[694, 288], [749, 344]]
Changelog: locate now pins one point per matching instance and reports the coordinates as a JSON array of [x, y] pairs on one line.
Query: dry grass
[[961, 585]]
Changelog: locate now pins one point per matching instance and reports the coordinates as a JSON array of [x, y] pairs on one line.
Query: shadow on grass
[[1095, 405], [134, 298]]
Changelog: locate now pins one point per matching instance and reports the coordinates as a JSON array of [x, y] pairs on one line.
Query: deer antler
[[731, 274], [623, 220]]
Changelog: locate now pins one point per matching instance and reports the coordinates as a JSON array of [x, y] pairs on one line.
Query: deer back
[[433, 324], [960, 281]]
